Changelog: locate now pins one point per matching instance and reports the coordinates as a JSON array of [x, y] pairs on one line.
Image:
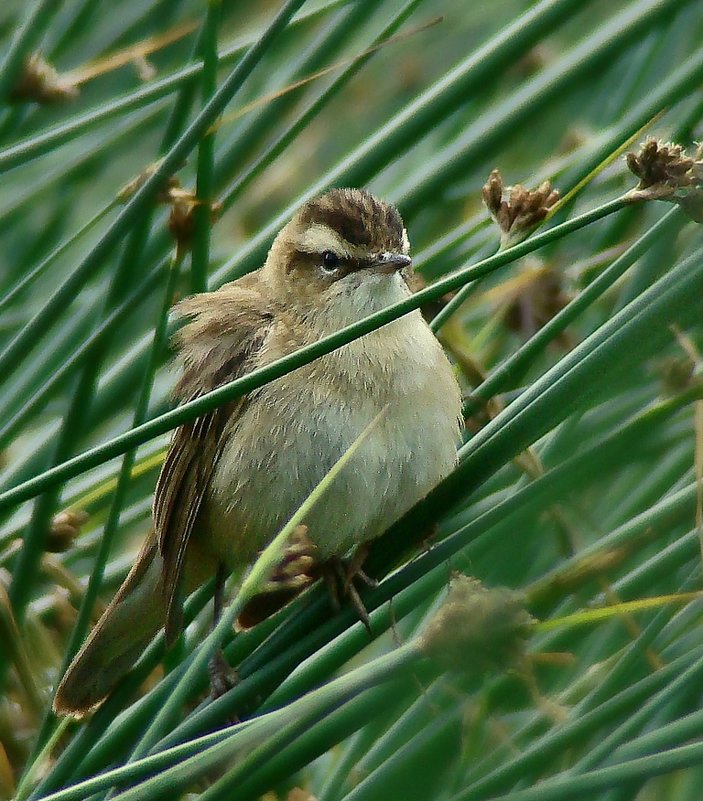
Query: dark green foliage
[[578, 351]]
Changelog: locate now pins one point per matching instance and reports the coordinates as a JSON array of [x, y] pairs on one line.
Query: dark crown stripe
[[357, 217]]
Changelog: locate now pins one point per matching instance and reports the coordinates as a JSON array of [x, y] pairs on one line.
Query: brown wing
[[180, 491], [211, 358]]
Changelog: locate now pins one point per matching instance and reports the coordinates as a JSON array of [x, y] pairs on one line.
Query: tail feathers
[[126, 627]]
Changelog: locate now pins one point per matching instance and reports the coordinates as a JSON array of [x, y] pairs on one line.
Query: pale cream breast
[[296, 428]]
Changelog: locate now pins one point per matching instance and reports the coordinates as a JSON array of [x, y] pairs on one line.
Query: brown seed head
[[661, 163], [39, 82], [65, 527], [163, 195], [515, 209], [183, 203], [666, 172], [477, 628], [181, 220]]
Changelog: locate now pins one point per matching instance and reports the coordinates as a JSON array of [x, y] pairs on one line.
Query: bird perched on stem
[[233, 477]]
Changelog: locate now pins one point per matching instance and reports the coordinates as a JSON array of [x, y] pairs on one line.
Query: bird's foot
[[353, 567], [293, 574], [295, 570], [340, 574]]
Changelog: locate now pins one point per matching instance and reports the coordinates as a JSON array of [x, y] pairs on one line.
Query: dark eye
[[330, 260]]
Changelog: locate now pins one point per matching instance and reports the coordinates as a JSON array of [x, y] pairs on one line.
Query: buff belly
[[261, 481]]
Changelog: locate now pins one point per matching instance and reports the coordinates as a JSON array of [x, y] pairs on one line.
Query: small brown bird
[[232, 478]]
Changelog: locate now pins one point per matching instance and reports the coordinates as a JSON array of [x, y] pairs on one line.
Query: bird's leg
[[222, 677], [353, 566], [339, 576], [332, 574]]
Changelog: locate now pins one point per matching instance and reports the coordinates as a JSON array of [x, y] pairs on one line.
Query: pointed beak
[[389, 262]]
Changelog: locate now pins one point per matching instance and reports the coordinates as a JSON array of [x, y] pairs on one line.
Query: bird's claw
[[339, 575]]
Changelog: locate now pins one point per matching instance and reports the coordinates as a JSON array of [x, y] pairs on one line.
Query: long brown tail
[[127, 626]]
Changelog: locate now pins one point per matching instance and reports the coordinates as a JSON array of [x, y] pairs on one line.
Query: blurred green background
[[579, 483]]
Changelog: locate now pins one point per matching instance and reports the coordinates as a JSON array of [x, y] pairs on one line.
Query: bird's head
[[344, 255]]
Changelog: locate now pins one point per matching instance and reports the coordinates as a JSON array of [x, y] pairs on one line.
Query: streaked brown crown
[[357, 216]]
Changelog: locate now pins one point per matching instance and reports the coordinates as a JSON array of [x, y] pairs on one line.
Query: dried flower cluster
[[663, 165], [181, 222], [478, 629], [666, 172], [163, 195], [41, 83], [183, 203], [515, 209], [65, 527]]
